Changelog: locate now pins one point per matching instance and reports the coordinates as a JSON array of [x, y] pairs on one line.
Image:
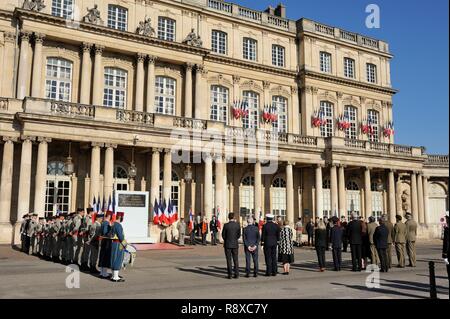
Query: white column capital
[[97, 144], [99, 49], [86, 47], [140, 57], [157, 150], [152, 59], [109, 145], [44, 139], [39, 37], [9, 139], [26, 138], [25, 35], [189, 66]]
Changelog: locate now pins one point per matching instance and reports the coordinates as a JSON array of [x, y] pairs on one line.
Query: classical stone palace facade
[[206, 103]]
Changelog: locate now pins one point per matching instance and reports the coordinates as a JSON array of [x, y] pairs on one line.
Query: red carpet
[[165, 246]]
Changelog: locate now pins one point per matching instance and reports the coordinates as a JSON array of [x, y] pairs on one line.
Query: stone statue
[[193, 39], [405, 205], [145, 28], [93, 16], [33, 5]]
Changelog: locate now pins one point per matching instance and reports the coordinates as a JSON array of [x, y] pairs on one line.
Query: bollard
[[433, 293]]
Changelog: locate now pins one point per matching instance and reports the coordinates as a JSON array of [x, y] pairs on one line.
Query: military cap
[[109, 213], [120, 214]]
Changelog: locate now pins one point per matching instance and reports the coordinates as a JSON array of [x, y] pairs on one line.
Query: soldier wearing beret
[[94, 242], [118, 245], [84, 232], [104, 260]]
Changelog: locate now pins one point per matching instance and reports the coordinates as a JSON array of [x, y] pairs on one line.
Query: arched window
[[58, 81], [351, 115], [353, 198], [62, 8], [279, 197], [280, 104], [219, 103], [166, 29], [326, 111], [251, 100], [373, 119], [115, 90], [165, 89], [120, 178], [247, 194], [58, 189]]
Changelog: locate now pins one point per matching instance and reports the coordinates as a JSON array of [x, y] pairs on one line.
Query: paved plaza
[[200, 273]]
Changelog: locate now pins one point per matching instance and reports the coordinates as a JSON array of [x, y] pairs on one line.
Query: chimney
[[280, 10], [270, 10]]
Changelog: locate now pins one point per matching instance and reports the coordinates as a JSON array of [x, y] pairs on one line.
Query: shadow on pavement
[[380, 290]]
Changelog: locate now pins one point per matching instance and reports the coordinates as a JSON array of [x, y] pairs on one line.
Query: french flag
[[191, 220], [170, 213], [219, 225], [161, 208], [156, 213], [94, 206]]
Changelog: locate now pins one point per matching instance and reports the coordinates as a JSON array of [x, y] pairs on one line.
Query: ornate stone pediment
[[251, 86]]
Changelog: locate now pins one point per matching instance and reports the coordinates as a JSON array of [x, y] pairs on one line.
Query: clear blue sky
[[417, 33]]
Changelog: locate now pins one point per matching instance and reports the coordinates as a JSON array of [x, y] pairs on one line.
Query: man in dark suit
[[380, 239], [336, 243], [354, 235], [231, 233], [269, 239], [251, 238]]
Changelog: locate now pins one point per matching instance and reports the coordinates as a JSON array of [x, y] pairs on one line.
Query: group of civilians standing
[[368, 241]]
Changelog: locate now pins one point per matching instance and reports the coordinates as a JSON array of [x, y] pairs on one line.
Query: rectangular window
[[371, 73], [62, 8], [249, 49], [373, 121], [251, 104], [278, 56], [58, 82], [219, 103], [115, 89], [117, 17], [280, 105], [166, 29], [349, 68], [326, 113], [350, 114], [165, 89], [219, 42], [325, 62]]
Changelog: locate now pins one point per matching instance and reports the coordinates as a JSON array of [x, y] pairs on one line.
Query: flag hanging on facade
[[161, 212], [191, 220], [156, 213], [94, 205], [109, 204], [170, 213]]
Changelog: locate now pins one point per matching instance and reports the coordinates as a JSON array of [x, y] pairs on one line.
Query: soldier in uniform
[[118, 245], [63, 239], [69, 240], [181, 227], [45, 234], [57, 224], [400, 240], [30, 234], [23, 233], [411, 234], [85, 226], [39, 237], [104, 260], [390, 239], [371, 227], [77, 235], [94, 241]]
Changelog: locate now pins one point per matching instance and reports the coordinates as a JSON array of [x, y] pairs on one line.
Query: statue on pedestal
[[33, 5], [93, 16], [145, 28], [193, 39]]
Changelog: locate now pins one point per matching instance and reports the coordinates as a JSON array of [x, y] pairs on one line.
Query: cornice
[[23, 15], [342, 81]]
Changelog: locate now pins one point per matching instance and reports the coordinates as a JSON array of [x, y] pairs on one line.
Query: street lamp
[[132, 170], [68, 165]]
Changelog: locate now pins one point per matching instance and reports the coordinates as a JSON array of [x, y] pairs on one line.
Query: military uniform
[[55, 239], [77, 237], [390, 240], [31, 236], [411, 234], [23, 233], [68, 244], [400, 240], [371, 227], [85, 227], [39, 239], [94, 243]]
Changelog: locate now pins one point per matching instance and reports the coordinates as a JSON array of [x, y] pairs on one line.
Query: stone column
[[24, 65], [193, 187], [414, 201], [140, 73], [87, 191], [167, 179], [95, 172], [188, 91], [23, 205], [41, 175], [290, 193], [97, 98], [36, 83], [154, 187], [334, 190], [426, 200], [224, 210], [207, 198], [86, 68], [182, 201], [73, 193], [319, 193], [342, 192], [420, 199], [258, 188], [392, 200], [143, 184], [367, 193], [295, 111], [151, 84], [219, 184], [201, 111], [108, 176], [6, 190]]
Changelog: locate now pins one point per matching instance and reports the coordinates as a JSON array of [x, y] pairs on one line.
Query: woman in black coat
[[321, 244]]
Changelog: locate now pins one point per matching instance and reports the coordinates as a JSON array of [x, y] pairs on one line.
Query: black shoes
[[118, 280]]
